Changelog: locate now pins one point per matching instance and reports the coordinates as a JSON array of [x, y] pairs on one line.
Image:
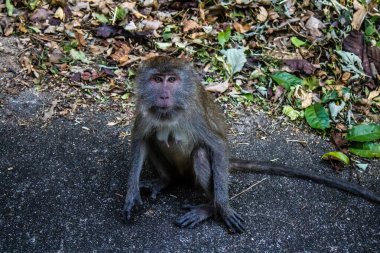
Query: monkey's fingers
[[234, 223], [189, 219], [196, 215], [127, 212], [129, 204]]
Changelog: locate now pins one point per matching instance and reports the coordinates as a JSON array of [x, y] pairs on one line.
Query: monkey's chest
[[176, 146]]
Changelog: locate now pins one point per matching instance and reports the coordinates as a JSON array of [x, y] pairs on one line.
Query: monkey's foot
[[233, 221], [133, 197], [196, 215], [154, 185]]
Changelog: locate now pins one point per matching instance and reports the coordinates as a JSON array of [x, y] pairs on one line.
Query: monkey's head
[[165, 87]]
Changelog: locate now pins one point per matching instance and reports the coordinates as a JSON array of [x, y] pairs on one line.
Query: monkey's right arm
[[139, 152]]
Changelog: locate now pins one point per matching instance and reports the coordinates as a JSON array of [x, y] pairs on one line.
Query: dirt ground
[[63, 180]]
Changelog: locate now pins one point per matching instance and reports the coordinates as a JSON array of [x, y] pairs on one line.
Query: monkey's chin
[[165, 113]]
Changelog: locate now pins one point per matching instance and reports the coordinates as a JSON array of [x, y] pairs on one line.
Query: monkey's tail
[[280, 170]]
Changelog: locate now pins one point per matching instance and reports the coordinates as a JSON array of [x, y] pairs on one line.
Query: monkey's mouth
[[165, 112]]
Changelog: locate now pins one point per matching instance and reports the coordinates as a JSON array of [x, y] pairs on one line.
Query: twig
[[299, 141], [303, 143], [23, 51], [248, 188], [119, 195]]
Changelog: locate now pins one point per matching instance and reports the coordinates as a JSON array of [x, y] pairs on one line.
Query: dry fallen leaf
[[263, 14], [278, 93], [189, 25], [358, 16], [49, 113], [26, 63], [305, 97], [374, 57], [40, 15], [151, 25], [60, 14], [374, 94], [241, 28], [56, 56], [220, 87], [97, 50], [131, 7], [314, 24], [273, 15], [300, 65], [122, 54], [346, 76], [355, 44]]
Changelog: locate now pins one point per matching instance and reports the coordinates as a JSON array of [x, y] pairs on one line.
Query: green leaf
[[78, 55], [34, 29], [339, 156], [291, 112], [167, 36], [248, 96], [32, 4], [101, 18], [363, 133], [125, 96], [10, 7], [317, 117], [366, 149], [120, 13], [286, 80], [224, 36], [235, 58], [310, 83], [370, 29], [168, 31], [329, 96], [67, 46], [297, 42]]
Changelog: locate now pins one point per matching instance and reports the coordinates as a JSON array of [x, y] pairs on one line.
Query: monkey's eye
[[171, 79], [157, 79]]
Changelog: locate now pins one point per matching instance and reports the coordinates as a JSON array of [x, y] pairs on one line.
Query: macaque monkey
[[181, 132]]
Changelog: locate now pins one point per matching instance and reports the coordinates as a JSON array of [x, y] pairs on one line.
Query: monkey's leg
[[203, 177], [217, 192]]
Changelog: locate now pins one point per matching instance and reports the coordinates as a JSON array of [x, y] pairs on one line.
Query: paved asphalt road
[[62, 185]]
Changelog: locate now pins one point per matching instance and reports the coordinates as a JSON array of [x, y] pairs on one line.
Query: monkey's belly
[[176, 148], [179, 157]]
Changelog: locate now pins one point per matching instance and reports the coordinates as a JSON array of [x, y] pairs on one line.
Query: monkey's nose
[[164, 97]]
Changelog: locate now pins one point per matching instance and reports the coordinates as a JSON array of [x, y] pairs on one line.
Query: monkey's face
[[161, 95], [165, 87]]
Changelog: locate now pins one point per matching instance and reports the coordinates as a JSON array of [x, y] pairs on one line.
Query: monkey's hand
[[133, 197]]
